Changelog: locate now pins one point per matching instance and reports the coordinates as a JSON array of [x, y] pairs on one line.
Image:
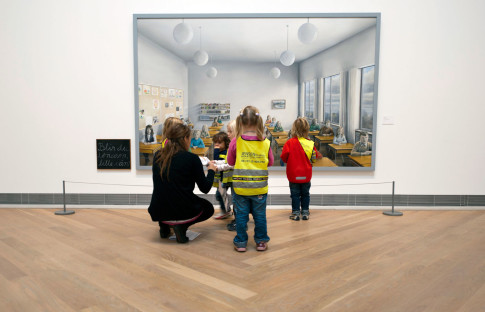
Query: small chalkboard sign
[[113, 154]]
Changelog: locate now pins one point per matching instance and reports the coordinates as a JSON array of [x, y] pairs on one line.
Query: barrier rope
[[65, 212]]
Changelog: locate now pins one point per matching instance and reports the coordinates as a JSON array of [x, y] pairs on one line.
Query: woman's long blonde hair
[[249, 117], [300, 128], [176, 135]]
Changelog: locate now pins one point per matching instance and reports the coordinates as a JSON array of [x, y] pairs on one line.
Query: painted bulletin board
[[157, 103]]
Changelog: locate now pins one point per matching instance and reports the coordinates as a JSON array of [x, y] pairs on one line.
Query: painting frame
[[278, 104], [374, 15]]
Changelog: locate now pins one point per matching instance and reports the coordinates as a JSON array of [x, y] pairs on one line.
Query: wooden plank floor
[[114, 260]]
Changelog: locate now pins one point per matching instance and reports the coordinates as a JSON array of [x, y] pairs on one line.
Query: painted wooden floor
[[114, 260]]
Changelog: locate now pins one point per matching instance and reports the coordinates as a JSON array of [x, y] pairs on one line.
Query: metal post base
[[64, 212], [392, 213]]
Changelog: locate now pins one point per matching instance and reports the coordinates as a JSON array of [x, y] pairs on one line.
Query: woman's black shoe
[[180, 233], [164, 230]]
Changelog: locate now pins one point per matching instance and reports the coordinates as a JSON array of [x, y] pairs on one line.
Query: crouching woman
[[175, 173]]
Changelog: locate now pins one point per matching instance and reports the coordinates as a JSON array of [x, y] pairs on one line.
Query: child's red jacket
[[298, 166]]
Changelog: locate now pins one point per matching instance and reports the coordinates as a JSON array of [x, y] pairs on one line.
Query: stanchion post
[[64, 212], [392, 212]]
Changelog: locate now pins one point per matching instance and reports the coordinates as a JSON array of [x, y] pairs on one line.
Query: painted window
[[331, 99], [367, 98], [309, 98]]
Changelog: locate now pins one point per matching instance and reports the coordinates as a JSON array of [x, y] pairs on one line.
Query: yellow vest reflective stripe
[[307, 147], [250, 176], [227, 176], [217, 176]]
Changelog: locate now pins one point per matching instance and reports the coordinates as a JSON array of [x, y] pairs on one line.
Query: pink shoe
[[240, 249], [262, 246], [223, 215]]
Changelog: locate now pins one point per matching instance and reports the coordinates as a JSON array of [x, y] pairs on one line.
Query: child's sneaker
[[223, 215], [295, 216], [305, 215], [261, 246], [239, 249], [231, 226]]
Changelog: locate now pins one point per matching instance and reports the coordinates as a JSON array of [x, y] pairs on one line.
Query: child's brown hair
[[300, 128], [221, 137], [249, 116]]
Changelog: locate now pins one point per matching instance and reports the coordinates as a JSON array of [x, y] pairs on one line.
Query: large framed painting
[[204, 68]]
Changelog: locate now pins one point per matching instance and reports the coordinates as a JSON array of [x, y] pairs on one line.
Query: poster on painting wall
[[155, 91], [156, 104], [171, 93], [146, 90]]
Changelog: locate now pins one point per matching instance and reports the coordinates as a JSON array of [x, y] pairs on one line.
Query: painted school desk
[[324, 162], [200, 151], [213, 132], [149, 148], [340, 149], [362, 161], [207, 142]]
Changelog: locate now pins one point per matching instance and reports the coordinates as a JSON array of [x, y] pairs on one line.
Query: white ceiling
[[251, 39]]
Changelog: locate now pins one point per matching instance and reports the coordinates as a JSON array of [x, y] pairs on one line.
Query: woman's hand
[[211, 166]]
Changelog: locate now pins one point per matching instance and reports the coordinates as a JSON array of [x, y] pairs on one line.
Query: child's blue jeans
[[256, 205], [220, 200], [300, 196]]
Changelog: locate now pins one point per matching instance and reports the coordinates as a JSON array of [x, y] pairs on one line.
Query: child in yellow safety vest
[[299, 153], [250, 154], [221, 143]]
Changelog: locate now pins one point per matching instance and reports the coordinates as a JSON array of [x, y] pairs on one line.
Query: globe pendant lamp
[[201, 57], [307, 33], [182, 33], [275, 72], [287, 58], [212, 71]]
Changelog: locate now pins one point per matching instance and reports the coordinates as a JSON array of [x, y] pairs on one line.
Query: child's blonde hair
[[249, 117], [300, 128], [231, 125]]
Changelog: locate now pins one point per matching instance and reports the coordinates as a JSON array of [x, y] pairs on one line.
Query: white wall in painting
[[243, 84]]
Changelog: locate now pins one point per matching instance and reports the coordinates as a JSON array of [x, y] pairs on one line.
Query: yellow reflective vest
[[250, 176], [307, 147], [217, 176]]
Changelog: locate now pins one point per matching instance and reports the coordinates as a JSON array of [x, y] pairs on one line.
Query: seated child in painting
[[148, 138], [340, 137], [299, 153], [268, 121], [314, 126], [326, 130], [363, 147], [215, 123], [196, 141], [273, 122], [221, 143], [205, 132], [189, 123], [278, 127]]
